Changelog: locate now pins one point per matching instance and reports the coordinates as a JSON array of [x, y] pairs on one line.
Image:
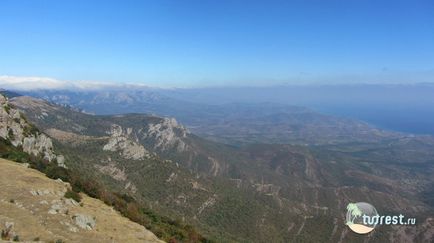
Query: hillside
[[34, 208], [21, 141], [259, 193]]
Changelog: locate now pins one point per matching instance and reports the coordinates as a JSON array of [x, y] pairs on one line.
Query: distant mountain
[[230, 123], [255, 193], [9, 94], [398, 107]]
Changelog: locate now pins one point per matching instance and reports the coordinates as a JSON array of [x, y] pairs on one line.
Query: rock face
[[33, 206], [164, 134], [121, 140], [167, 134], [19, 132]]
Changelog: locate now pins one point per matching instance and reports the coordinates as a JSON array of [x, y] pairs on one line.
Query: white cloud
[[28, 83], [35, 83]]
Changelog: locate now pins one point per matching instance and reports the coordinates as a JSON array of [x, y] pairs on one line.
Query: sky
[[171, 43]]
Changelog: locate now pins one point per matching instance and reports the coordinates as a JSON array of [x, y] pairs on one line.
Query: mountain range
[[230, 123], [292, 187]]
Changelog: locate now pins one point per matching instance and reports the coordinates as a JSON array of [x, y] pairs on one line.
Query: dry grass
[[69, 137], [31, 219]]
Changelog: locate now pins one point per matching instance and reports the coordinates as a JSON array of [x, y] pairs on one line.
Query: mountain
[[399, 107], [22, 142], [36, 208], [252, 193], [8, 93], [229, 122]]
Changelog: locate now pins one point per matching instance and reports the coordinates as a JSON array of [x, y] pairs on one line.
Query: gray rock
[[121, 140], [84, 221], [16, 129], [167, 134]]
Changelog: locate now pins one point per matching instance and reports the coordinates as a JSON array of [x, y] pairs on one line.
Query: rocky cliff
[[15, 128]]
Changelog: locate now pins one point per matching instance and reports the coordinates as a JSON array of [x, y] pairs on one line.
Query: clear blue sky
[[216, 42]]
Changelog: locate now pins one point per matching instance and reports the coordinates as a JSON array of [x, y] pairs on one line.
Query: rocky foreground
[[34, 208]]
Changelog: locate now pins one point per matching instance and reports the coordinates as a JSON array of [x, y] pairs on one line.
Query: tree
[[355, 212]]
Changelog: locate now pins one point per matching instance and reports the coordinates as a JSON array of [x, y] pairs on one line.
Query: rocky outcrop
[[208, 203], [167, 134], [15, 128], [111, 170], [84, 221], [122, 140], [163, 135], [8, 232]]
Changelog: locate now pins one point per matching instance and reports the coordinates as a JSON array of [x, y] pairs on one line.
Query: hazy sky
[[206, 43]]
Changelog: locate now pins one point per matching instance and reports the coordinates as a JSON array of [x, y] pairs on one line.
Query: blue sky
[[206, 43]]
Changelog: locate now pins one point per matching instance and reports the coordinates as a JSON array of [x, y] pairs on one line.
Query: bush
[[89, 186], [4, 235], [31, 130], [17, 156], [11, 134], [56, 172], [7, 108], [73, 195]]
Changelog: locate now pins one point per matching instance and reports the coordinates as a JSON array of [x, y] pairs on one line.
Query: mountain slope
[[23, 142], [259, 193], [34, 207]]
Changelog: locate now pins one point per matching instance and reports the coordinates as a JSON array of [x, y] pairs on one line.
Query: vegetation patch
[[73, 195], [163, 227], [11, 134], [7, 108]]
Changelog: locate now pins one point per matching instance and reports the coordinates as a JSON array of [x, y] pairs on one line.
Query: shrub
[[89, 186], [7, 108], [17, 156], [73, 195], [4, 235], [11, 134], [55, 172], [31, 130]]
